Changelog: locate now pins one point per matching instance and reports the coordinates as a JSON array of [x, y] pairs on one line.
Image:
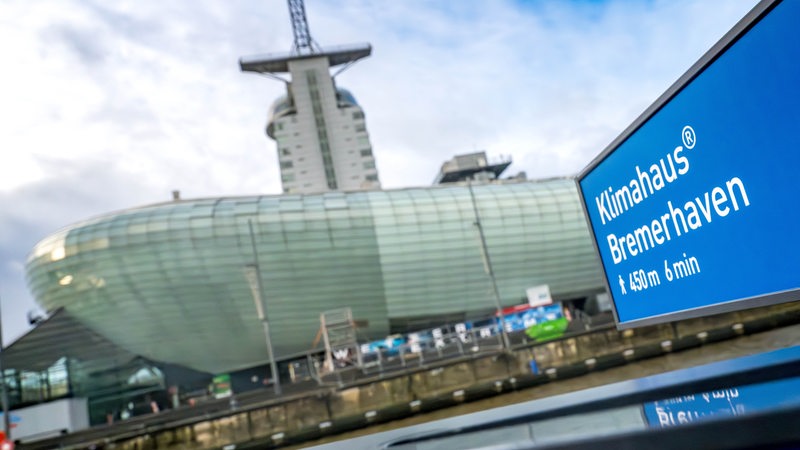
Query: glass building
[[178, 282]]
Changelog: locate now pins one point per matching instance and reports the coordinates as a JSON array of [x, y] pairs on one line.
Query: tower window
[[286, 164], [366, 152]]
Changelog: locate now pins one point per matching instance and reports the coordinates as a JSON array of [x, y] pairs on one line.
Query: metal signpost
[[3, 386], [253, 274], [694, 208], [487, 265]]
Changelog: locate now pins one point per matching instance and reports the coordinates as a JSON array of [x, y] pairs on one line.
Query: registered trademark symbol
[[688, 137]]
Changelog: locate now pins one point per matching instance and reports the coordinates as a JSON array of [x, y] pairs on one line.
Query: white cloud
[[111, 105]]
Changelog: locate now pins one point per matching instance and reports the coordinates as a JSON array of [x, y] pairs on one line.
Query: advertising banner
[[539, 295], [694, 209], [221, 386]]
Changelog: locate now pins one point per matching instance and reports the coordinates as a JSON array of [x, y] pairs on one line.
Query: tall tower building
[[319, 128]]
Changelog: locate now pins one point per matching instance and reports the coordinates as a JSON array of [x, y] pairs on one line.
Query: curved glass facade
[[283, 105], [280, 107], [170, 281], [345, 97]]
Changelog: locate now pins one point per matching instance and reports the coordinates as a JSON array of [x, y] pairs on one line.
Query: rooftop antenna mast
[[303, 43]]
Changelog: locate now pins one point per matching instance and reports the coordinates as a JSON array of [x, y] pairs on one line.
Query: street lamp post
[[254, 276], [487, 265], [3, 387]]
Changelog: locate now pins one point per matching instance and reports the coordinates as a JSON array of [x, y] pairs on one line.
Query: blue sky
[[110, 105]]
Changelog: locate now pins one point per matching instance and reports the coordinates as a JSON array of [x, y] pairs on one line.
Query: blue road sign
[[695, 209], [734, 401]]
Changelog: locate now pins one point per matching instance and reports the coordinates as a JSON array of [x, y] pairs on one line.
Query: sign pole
[[3, 387], [487, 265], [258, 297]]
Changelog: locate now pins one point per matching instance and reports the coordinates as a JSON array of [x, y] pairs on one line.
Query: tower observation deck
[[279, 62]]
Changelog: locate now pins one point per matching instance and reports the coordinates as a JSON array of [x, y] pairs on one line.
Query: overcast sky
[[110, 105]]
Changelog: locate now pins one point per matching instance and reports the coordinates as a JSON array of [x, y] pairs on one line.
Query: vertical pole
[[3, 387], [487, 265], [262, 314]]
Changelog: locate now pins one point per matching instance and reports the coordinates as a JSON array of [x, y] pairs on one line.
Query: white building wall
[[300, 153], [49, 419], [351, 138]]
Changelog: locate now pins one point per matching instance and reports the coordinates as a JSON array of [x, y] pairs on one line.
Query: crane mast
[[303, 43]]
